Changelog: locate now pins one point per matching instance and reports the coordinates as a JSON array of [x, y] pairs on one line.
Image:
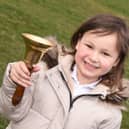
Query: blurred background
[[58, 18]]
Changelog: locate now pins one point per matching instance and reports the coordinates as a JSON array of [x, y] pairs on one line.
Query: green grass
[[48, 17]]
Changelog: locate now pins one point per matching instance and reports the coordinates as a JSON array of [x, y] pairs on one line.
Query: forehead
[[101, 39], [99, 34]]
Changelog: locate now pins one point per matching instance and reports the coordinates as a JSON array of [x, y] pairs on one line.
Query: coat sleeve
[[113, 121], [14, 113]]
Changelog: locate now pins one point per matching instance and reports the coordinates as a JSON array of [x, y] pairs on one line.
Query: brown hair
[[105, 24]]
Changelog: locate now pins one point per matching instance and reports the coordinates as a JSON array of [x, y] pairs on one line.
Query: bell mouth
[[34, 38]]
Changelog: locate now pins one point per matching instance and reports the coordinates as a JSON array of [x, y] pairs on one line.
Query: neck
[[85, 80]]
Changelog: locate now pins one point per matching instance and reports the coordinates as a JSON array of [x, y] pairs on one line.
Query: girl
[[85, 89]]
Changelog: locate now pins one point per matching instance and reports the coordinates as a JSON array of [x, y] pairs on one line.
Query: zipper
[[70, 94], [72, 101]]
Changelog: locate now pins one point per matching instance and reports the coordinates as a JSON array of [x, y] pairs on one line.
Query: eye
[[106, 54], [89, 46]]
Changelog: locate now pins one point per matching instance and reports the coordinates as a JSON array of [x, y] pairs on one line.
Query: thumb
[[36, 68]]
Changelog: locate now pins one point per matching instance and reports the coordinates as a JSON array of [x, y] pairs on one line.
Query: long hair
[[105, 24]]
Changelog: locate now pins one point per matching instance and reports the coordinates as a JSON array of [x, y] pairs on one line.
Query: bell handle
[[18, 94]]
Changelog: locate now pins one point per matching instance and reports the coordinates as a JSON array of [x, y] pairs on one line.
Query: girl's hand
[[20, 74]]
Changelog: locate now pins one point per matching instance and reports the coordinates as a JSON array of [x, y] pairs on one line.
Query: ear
[[77, 45]]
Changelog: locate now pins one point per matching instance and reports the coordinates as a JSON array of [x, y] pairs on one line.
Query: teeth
[[96, 65]]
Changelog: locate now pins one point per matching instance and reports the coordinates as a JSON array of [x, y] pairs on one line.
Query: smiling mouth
[[91, 65]]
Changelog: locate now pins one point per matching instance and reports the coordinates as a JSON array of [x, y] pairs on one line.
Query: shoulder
[[112, 111], [107, 108], [112, 116], [46, 73]]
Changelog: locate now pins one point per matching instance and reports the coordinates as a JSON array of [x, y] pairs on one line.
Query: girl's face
[[95, 56]]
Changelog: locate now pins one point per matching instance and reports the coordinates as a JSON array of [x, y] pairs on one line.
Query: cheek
[[106, 66], [83, 52], [77, 57]]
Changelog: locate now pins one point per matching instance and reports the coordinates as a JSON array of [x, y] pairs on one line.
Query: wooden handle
[[18, 95]]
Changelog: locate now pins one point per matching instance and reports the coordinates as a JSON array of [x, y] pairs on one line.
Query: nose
[[94, 57]]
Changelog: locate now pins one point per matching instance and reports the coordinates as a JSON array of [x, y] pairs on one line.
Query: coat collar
[[65, 67], [101, 90]]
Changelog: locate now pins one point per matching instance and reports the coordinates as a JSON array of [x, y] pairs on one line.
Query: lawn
[[49, 17]]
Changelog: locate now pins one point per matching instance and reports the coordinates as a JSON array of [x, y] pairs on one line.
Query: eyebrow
[[105, 50], [89, 42]]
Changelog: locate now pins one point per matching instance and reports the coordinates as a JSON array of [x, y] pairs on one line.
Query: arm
[[7, 90]]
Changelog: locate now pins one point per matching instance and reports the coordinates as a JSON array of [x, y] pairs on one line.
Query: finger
[[21, 70], [20, 76], [20, 81], [17, 70], [23, 67], [36, 68]]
